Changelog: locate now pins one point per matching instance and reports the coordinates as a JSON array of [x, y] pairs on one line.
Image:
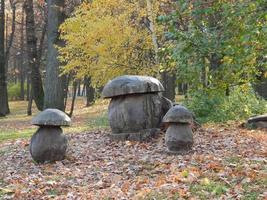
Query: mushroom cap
[[51, 117], [131, 84], [178, 114], [258, 118]]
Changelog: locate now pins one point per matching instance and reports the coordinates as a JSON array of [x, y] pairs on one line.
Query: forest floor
[[226, 162]]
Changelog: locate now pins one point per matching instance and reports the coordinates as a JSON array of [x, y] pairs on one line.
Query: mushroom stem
[[179, 137]]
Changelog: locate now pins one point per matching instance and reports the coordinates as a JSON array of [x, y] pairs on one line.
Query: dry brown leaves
[[98, 168]]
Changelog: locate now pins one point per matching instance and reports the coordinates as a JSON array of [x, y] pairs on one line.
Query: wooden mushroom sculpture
[[136, 108], [48, 144], [179, 135]]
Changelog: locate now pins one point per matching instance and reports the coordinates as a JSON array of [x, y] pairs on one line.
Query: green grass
[[11, 134], [233, 160], [17, 124], [52, 192], [100, 121], [161, 196], [212, 189], [4, 191], [253, 189]]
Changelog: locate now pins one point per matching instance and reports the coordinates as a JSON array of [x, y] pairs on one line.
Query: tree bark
[[4, 108], [22, 69], [36, 80], [169, 83], [79, 88], [29, 108], [41, 45], [152, 29], [73, 98], [28, 81], [55, 85], [83, 89], [13, 28], [90, 92]]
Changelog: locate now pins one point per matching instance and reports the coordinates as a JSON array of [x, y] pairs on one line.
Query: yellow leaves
[[205, 181], [185, 173], [227, 60], [6, 191], [106, 39]]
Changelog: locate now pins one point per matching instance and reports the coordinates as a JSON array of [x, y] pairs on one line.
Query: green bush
[[13, 91], [215, 106]]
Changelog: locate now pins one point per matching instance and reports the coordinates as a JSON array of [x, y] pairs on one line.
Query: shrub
[[215, 106], [13, 91]]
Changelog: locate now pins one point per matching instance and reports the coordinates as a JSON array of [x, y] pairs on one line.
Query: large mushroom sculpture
[[48, 143], [179, 135], [136, 107]]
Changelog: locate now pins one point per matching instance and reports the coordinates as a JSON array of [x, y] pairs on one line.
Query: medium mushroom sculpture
[[48, 143], [136, 108], [179, 135]]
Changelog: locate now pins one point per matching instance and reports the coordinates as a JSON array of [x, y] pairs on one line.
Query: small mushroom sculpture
[[48, 143], [257, 121], [179, 135], [136, 108]]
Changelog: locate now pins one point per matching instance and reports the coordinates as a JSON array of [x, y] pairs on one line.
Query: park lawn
[[17, 124]]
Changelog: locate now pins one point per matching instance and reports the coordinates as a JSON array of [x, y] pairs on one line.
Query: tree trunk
[[29, 108], [168, 79], [55, 85], [41, 45], [83, 89], [67, 90], [4, 108], [79, 88], [90, 92], [73, 98], [22, 69], [36, 80], [152, 29], [13, 28], [169, 83], [28, 74]]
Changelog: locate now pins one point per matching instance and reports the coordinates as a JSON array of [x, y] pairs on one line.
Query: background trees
[[215, 45], [106, 39], [194, 47]]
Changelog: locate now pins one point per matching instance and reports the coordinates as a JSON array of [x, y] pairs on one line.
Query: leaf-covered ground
[[226, 162]]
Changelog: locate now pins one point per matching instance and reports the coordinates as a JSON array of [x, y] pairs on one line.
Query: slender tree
[[168, 78], [4, 108], [90, 91], [22, 64], [36, 80], [55, 85], [13, 28], [73, 97]]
